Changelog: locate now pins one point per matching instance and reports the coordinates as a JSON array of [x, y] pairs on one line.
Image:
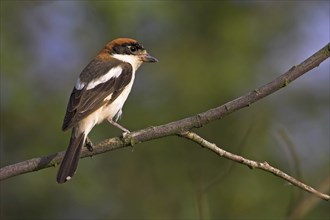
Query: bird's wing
[[90, 93]]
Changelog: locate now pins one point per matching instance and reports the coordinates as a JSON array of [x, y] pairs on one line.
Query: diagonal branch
[[251, 163], [176, 127]]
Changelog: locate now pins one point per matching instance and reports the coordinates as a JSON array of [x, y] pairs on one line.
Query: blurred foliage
[[210, 52]]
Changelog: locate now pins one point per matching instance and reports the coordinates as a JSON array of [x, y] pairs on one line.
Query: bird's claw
[[126, 134], [89, 145], [129, 140]]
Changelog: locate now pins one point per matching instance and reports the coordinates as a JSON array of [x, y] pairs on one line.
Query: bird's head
[[129, 50]]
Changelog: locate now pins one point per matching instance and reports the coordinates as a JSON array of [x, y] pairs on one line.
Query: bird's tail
[[70, 161]]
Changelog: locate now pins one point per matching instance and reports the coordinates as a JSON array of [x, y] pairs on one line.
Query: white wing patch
[[79, 85], [113, 73]]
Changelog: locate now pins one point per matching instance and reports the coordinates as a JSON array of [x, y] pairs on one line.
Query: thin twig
[[251, 163], [228, 170], [306, 205]]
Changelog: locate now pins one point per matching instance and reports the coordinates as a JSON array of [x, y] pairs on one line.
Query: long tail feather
[[70, 161]]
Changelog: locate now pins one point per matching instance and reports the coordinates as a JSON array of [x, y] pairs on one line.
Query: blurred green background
[[210, 52]]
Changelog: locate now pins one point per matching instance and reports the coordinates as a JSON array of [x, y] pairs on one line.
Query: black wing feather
[[84, 102]]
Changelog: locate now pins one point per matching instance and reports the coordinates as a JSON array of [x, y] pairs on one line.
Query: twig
[[251, 163], [307, 204], [175, 127], [201, 196]]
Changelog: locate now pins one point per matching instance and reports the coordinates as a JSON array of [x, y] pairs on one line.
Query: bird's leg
[[89, 144], [126, 133], [118, 126]]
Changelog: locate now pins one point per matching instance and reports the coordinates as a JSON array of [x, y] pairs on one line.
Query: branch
[[176, 127], [251, 163]]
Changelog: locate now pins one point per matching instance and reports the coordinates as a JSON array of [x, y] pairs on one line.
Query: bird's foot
[[126, 134], [129, 139], [89, 145]]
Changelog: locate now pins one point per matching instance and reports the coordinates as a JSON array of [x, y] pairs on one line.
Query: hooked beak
[[147, 58]]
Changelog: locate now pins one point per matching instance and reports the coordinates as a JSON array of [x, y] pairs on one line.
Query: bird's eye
[[132, 48]]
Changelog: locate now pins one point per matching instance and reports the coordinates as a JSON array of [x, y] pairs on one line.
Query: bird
[[99, 94]]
